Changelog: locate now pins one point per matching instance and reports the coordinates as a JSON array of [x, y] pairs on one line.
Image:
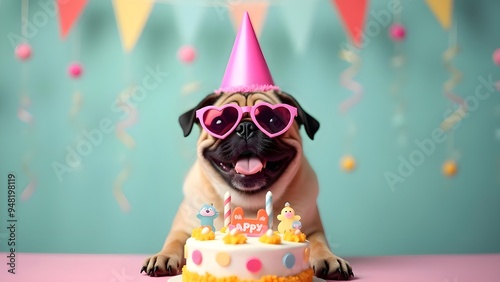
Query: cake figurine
[[207, 215], [288, 218]]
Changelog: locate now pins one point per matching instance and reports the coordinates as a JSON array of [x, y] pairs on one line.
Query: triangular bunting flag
[[69, 11], [131, 16], [256, 10], [299, 30], [352, 13], [188, 15], [442, 9]]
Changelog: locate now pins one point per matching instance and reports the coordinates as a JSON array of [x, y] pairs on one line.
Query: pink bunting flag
[[69, 11], [353, 14]]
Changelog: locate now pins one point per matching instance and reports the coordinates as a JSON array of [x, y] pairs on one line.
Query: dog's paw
[[162, 264], [332, 268]]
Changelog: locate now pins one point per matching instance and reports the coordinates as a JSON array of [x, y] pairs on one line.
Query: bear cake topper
[[246, 69]]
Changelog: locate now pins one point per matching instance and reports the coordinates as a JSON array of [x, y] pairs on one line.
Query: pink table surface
[[125, 268]]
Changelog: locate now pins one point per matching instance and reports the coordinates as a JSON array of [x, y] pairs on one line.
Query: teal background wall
[[362, 213]]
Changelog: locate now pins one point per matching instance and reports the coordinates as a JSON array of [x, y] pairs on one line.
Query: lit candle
[[227, 209]]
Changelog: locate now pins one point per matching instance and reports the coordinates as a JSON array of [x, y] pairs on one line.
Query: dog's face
[[248, 161]]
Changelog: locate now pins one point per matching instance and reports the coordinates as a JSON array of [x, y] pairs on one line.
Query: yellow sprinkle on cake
[[304, 276], [270, 237], [294, 236], [223, 229], [234, 238], [203, 234]]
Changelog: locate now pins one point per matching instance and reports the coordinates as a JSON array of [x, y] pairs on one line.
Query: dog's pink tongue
[[248, 166]]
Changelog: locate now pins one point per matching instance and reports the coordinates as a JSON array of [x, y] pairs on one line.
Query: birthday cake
[[247, 249]]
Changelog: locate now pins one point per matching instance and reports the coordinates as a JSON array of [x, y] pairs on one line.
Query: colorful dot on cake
[[288, 260], [223, 259], [197, 257], [307, 253], [254, 265]]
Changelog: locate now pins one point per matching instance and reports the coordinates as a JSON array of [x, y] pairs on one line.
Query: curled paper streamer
[[22, 113], [120, 197], [346, 79], [31, 187], [122, 135], [76, 104], [456, 77], [190, 87], [397, 63]]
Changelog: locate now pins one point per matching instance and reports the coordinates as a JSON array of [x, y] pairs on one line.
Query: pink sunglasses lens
[[219, 122], [273, 120]]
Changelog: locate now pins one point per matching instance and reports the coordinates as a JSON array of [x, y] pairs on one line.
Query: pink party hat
[[247, 69]]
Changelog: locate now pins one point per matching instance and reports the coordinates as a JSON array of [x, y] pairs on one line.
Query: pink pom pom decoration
[[397, 32], [496, 57], [75, 70], [186, 54], [23, 51]]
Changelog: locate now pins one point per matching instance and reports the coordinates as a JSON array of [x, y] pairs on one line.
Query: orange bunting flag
[[131, 17], [256, 10], [69, 11], [353, 13], [442, 9]]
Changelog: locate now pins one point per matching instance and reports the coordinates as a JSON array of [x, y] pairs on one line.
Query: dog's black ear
[[311, 125], [188, 118]]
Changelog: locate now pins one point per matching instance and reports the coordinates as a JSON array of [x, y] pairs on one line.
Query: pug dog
[[249, 144]]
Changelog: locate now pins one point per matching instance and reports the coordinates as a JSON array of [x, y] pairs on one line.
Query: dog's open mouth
[[250, 164], [251, 173]]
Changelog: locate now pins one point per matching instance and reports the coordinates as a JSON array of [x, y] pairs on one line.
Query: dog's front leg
[[170, 259], [326, 265]]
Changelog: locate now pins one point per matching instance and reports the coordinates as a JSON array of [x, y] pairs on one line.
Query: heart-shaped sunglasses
[[273, 120]]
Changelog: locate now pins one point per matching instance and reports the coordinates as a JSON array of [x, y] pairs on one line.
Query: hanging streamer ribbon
[[190, 88], [31, 187], [127, 140], [118, 189], [22, 113], [76, 105], [346, 79], [132, 112], [449, 85]]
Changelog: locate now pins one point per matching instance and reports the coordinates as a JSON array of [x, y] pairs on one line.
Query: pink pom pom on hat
[[247, 69]]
